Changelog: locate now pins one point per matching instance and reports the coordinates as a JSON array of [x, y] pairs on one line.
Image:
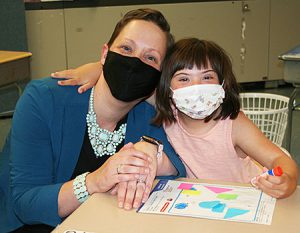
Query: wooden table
[[101, 214], [14, 66]]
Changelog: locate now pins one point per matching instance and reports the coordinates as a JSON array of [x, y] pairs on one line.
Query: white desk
[[101, 214]]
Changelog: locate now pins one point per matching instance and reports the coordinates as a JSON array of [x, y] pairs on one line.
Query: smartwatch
[[156, 142]]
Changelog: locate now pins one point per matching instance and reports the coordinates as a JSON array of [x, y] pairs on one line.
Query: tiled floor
[[8, 99]]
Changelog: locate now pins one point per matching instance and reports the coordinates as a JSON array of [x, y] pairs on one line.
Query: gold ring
[[119, 168], [141, 179]]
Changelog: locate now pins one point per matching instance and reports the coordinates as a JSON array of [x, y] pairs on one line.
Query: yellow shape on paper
[[191, 192], [227, 196]]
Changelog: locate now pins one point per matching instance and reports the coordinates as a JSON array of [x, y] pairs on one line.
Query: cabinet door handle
[[245, 7]]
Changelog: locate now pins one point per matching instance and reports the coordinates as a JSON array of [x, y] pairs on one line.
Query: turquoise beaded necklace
[[103, 141]]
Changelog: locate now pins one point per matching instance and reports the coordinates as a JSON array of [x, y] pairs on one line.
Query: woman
[[64, 147]]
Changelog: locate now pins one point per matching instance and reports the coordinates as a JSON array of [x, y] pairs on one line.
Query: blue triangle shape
[[208, 204], [232, 212]]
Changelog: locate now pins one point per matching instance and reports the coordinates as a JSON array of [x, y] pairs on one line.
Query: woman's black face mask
[[129, 78]]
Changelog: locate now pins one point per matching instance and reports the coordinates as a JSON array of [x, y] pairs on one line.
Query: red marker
[[276, 171]]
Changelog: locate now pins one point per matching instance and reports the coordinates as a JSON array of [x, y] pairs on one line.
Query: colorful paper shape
[[219, 208], [185, 186], [217, 189], [227, 196], [181, 206], [191, 192], [208, 204], [232, 212]]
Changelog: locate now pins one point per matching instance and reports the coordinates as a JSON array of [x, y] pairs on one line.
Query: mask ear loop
[[173, 106], [223, 83]]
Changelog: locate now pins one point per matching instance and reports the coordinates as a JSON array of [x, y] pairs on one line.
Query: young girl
[[197, 101]]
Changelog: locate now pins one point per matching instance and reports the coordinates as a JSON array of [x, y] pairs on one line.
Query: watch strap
[[156, 142]]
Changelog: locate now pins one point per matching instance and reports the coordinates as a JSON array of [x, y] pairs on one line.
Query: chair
[[269, 112]]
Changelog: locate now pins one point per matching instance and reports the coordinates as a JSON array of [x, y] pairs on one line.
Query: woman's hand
[[132, 193], [126, 165], [86, 75]]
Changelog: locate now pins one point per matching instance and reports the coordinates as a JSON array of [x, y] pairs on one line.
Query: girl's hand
[[275, 186], [126, 165], [86, 75], [253, 143]]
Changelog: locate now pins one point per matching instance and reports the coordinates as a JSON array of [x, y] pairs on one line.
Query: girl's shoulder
[[241, 126], [237, 122], [241, 119]]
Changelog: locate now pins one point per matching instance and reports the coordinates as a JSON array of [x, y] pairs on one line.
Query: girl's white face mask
[[198, 101]]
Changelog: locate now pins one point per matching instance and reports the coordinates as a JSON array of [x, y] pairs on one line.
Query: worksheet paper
[[211, 201]]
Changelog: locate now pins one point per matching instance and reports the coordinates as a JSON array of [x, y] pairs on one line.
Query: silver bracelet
[[80, 189]]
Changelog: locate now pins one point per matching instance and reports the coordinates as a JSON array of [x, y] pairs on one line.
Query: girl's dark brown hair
[[184, 55]]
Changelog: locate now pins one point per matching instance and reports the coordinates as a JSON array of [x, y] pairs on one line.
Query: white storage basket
[[269, 112]]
